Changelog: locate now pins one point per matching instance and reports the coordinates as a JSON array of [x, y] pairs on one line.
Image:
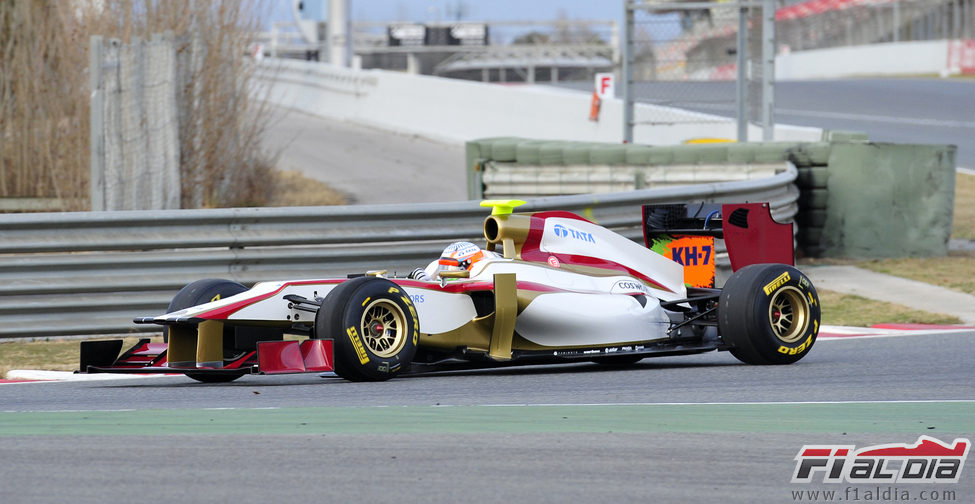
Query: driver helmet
[[459, 256]]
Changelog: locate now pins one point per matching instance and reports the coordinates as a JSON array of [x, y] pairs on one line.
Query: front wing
[[271, 357]]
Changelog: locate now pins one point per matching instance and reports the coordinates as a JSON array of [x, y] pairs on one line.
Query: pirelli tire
[[200, 292], [769, 314], [374, 328]]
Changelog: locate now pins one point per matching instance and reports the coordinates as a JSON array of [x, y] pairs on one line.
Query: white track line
[[722, 403], [47, 376], [877, 118]]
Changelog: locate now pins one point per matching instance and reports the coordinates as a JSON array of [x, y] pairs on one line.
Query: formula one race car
[[548, 287]]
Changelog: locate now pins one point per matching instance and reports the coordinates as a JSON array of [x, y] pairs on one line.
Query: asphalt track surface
[[679, 429], [907, 110], [367, 165]]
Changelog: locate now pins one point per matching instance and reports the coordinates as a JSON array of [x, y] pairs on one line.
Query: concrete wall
[[889, 200], [897, 58], [857, 199], [458, 111], [865, 200]]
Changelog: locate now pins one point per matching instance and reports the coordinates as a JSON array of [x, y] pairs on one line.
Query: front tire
[[200, 292], [374, 327], [769, 314]]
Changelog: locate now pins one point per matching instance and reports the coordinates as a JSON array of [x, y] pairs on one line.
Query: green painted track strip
[[921, 417]]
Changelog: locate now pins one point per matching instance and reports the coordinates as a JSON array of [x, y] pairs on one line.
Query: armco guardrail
[[92, 272], [490, 160], [852, 191]]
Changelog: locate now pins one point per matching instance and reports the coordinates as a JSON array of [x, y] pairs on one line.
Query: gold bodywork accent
[[455, 274], [209, 344], [488, 333], [505, 313], [509, 230], [521, 343], [181, 351], [199, 346], [475, 335]]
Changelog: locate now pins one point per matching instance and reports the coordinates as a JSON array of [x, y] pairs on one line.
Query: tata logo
[[565, 232]]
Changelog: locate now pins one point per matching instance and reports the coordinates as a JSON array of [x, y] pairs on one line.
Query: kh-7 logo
[[689, 256]]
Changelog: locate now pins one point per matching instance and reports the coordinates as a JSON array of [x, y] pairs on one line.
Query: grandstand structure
[[696, 42], [706, 46], [488, 51]]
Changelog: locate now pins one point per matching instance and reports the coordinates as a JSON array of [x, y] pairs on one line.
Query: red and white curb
[[828, 332]]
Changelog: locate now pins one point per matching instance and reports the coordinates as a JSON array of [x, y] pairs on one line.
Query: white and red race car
[[548, 287]]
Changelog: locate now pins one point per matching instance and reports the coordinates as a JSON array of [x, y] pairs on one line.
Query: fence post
[[768, 70], [741, 83], [628, 74], [96, 125]]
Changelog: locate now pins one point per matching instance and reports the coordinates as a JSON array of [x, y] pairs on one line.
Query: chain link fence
[[135, 128], [706, 62], [875, 22], [176, 122], [684, 57]]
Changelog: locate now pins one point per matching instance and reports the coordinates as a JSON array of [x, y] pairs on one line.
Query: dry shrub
[[292, 188], [43, 103], [44, 96]]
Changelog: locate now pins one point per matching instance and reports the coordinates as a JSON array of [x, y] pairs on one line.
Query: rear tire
[[374, 328], [769, 314]]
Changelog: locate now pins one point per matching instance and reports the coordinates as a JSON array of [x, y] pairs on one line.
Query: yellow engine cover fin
[[502, 207]]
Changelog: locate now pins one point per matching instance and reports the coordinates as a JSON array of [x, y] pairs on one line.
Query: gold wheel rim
[[384, 328], [788, 314]]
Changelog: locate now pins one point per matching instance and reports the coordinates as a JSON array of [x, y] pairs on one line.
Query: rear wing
[[685, 233]]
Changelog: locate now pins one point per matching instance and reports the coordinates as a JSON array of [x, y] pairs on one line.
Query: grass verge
[[850, 310], [964, 217], [956, 272], [55, 354]]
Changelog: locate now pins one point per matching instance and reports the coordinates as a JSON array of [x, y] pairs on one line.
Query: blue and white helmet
[[460, 256]]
